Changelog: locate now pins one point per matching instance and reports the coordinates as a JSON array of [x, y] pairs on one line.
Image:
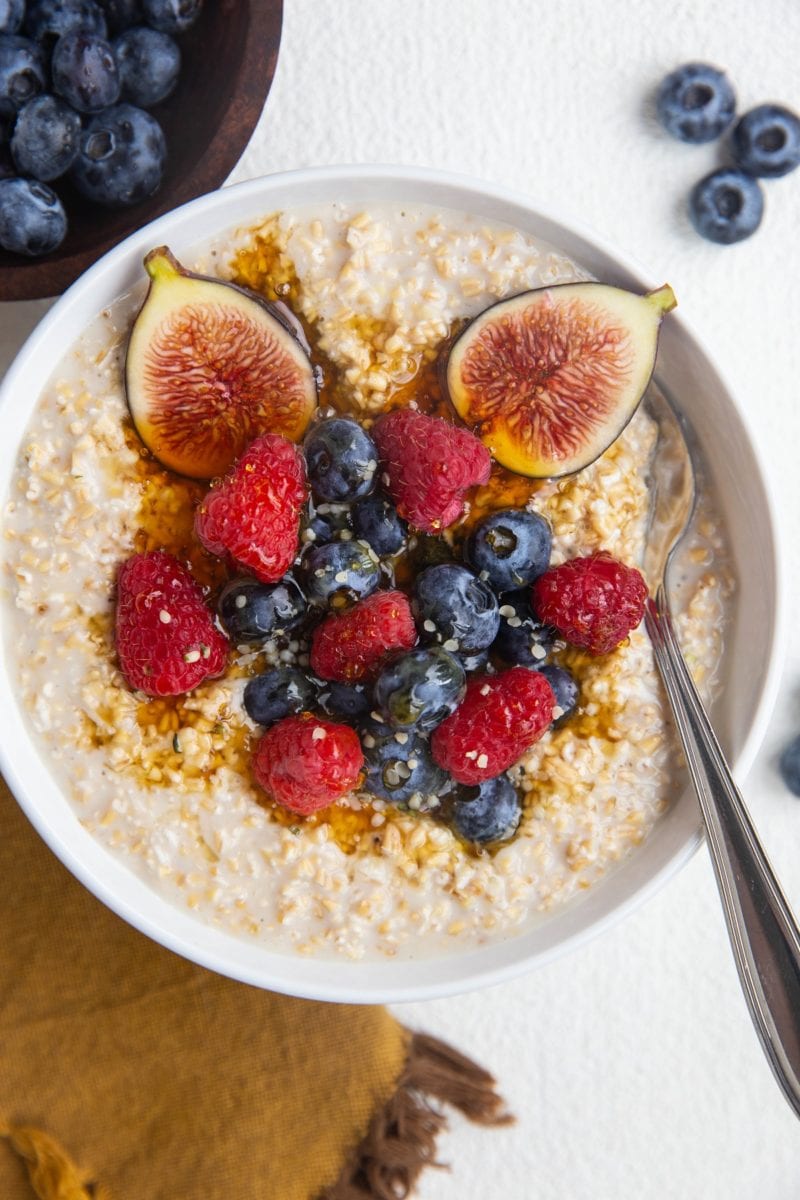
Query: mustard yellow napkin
[[127, 1073]]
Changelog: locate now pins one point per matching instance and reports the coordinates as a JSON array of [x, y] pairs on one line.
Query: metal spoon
[[763, 932]]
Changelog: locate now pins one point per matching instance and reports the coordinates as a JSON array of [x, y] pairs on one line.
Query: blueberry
[[22, 73], [122, 14], [726, 206], [342, 460], [509, 548], [490, 812], [455, 608], [32, 218], [121, 158], [565, 689], [326, 523], [7, 168], [377, 521], [339, 569], [149, 63], [11, 14], [522, 640], [766, 141], [790, 766], [46, 137], [420, 688], [347, 701], [251, 611], [277, 694], [85, 71], [696, 102], [171, 16], [48, 20], [399, 768]]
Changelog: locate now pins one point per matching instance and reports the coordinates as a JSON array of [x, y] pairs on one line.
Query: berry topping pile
[[76, 77], [397, 639]]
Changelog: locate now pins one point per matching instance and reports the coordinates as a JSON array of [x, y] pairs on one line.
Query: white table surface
[[631, 1064]]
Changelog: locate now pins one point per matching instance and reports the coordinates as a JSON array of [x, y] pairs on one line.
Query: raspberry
[[593, 602], [306, 763], [352, 645], [500, 717], [429, 465], [167, 642], [253, 513]]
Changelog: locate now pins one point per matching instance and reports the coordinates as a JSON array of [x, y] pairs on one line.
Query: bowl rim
[[351, 990]]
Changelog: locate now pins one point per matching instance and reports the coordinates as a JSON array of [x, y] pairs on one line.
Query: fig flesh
[[209, 368], [549, 378]]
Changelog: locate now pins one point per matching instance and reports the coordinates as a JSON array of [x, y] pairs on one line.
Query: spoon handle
[[763, 932]]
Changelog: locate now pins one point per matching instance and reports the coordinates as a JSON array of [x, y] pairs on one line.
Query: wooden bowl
[[229, 60]]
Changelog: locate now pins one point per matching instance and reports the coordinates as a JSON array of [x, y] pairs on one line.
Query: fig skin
[[549, 379], [209, 368]]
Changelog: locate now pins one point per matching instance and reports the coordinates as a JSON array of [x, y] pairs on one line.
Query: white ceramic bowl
[[752, 653]]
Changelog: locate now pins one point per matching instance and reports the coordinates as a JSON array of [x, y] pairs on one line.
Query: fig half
[[209, 368], [549, 378]]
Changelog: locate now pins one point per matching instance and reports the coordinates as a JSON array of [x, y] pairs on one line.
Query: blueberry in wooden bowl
[[207, 119]]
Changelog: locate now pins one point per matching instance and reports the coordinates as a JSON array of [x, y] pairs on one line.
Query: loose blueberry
[[565, 689], [420, 689], [399, 768], [347, 701], [766, 141], [790, 766], [48, 20], [726, 206], [326, 523], [11, 14], [149, 63], [85, 71], [32, 218], [341, 458], [121, 158], [490, 812], [339, 569], [122, 14], [277, 694], [696, 103], [46, 137], [522, 640], [455, 608], [171, 16], [22, 73], [509, 548], [252, 612], [377, 521]]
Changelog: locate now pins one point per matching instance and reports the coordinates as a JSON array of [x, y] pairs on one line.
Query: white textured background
[[631, 1064]]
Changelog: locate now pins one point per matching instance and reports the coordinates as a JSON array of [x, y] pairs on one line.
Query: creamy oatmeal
[[165, 783]]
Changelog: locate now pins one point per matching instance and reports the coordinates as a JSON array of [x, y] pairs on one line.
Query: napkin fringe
[[401, 1139], [53, 1174]]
